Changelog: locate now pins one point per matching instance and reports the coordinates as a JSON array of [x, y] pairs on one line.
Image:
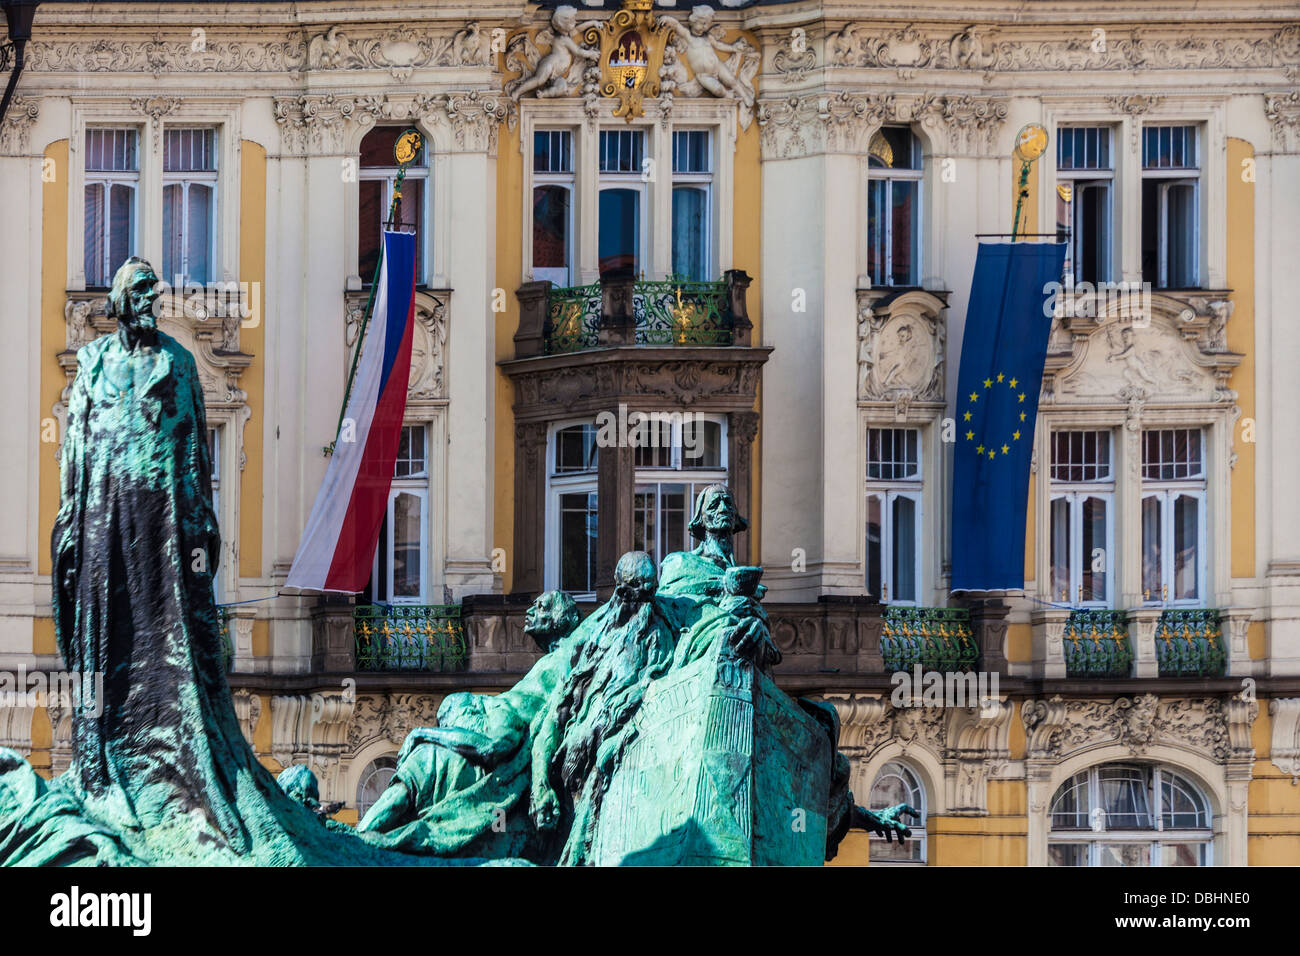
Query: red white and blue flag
[[338, 546]]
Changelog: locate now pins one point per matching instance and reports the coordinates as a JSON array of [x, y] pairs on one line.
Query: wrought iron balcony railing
[[1189, 643], [936, 638], [1097, 644], [417, 637], [674, 311], [227, 639]]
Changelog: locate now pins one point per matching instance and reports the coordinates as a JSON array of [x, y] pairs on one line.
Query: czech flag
[[338, 547]]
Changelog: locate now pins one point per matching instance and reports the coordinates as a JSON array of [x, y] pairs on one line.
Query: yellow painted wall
[[54, 277], [1274, 801], [510, 185], [1241, 338], [1000, 839], [252, 269], [1020, 639]]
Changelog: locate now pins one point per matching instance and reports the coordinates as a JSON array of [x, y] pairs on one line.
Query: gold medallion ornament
[[407, 147], [1031, 142]]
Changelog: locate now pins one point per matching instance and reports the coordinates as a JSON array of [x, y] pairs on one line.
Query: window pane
[[621, 150], [690, 231], [111, 150], [121, 226], [1070, 807], [1187, 547], [701, 444], [691, 151], [575, 449], [1151, 548], [904, 568], [1124, 798], [894, 147], [1151, 232], [620, 231], [578, 542], [551, 234], [1067, 854], [673, 505], [877, 217], [645, 529], [407, 526], [1181, 806], [1182, 854], [1092, 241], [411, 454], [874, 545], [1081, 456], [371, 213], [1180, 235], [95, 235], [906, 206], [1172, 454], [189, 150], [1060, 549], [173, 231], [893, 454], [1094, 549], [1124, 854], [896, 784], [199, 241], [552, 151], [654, 443]]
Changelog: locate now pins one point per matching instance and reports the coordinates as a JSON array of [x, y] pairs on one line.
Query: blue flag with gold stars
[[1003, 349]]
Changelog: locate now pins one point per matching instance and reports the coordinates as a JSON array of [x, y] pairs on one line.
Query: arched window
[[374, 781], [377, 180], [894, 207], [1129, 815], [895, 784]]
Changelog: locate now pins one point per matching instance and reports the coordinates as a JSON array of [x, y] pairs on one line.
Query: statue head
[[299, 782], [715, 511], [133, 294], [551, 618], [565, 19], [635, 583], [701, 19]]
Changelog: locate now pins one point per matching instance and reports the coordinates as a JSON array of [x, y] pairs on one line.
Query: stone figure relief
[[1153, 359], [698, 46], [900, 354], [559, 71]]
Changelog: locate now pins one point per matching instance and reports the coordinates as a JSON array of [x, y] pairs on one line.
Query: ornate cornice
[[842, 122]]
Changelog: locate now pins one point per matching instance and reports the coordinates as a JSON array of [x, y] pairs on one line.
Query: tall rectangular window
[[377, 182], [622, 201], [1173, 516], [894, 207], [1082, 517], [553, 206], [692, 195], [1171, 180], [678, 461], [1084, 201], [402, 559], [189, 204], [893, 486], [571, 532], [111, 196]]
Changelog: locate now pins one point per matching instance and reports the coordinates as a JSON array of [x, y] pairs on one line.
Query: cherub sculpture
[[699, 45], [554, 73]]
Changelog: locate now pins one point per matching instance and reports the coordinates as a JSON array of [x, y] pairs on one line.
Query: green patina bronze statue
[[650, 732]]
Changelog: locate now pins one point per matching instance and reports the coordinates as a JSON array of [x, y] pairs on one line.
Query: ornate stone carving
[[977, 749], [314, 122], [389, 717], [428, 344], [1214, 727], [901, 341], [795, 58], [248, 708], [694, 68], [400, 51], [1284, 747], [17, 126], [559, 71], [1283, 112]]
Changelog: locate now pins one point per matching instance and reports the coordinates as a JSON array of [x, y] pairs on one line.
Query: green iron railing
[[419, 637], [936, 638], [1097, 644], [1189, 643], [674, 311]]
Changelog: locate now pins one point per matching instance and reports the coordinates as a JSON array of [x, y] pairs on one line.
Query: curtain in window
[[690, 229]]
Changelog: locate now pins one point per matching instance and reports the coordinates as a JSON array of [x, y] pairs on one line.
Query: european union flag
[[1002, 353]]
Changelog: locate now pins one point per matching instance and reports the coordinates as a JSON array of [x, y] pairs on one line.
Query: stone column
[[742, 428], [534, 301], [988, 622], [1142, 623], [616, 477], [530, 507], [1049, 642], [617, 321], [333, 646], [742, 328]]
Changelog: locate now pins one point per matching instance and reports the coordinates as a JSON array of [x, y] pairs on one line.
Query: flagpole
[[408, 145]]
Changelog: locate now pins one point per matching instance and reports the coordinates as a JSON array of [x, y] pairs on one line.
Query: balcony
[[1189, 643], [1096, 644], [410, 637], [621, 310], [935, 638]]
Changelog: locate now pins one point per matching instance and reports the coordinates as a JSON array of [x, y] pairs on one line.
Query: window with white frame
[[894, 207], [894, 784], [1129, 815], [1173, 516], [894, 486], [1085, 172], [553, 206], [189, 205], [682, 455], [572, 501], [1171, 233], [112, 190], [1082, 517], [621, 212], [401, 567], [374, 781], [377, 181], [692, 204]]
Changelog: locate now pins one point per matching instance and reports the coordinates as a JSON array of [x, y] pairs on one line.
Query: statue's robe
[[692, 590], [468, 778], [159, 760]]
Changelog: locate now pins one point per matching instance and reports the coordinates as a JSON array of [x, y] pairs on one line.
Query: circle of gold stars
[[973, 400]]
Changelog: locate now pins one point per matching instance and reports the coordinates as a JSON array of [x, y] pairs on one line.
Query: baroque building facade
[[754, 224]]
